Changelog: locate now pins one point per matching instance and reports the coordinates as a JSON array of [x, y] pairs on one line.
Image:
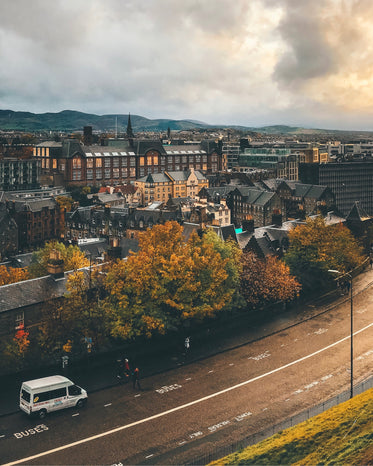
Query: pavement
[[98, 373]]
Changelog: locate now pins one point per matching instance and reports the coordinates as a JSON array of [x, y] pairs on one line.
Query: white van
[[41, 396]]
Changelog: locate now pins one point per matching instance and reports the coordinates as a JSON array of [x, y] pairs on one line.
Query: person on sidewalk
[[135, 378]]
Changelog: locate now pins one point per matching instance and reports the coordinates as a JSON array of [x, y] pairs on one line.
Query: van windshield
[[25, 395]]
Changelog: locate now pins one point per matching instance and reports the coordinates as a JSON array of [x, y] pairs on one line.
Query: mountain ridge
[[73, 120]]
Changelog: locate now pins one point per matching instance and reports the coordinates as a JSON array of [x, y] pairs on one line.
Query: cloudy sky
[[249, 62]]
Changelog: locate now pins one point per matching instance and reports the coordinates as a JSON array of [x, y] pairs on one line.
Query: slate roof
[[143, 146], [358, 213], [34, 205]]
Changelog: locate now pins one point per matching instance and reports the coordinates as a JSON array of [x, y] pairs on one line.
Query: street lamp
[[351, 331]]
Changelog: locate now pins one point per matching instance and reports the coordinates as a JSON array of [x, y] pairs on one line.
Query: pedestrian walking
[[135, 378], [127, 370], [187, 345]]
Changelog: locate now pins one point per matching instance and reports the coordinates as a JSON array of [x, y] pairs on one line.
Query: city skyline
[[255, 63]]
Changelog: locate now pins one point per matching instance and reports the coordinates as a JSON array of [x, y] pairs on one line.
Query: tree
[[314, 248], [168, 281], [265, 281], [78, 316], [73, 258], [12, 275]]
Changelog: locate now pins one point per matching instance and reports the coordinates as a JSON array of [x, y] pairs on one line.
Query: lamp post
[[351, 331]]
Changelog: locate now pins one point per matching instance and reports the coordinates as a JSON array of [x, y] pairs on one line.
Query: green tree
[[314, 248], [265, 281], [77, 317], [73, 258], [168, 281]]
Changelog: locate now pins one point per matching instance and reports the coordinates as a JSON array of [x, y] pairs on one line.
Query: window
[[141, 161], [77, 163], [74, 390], [90, 163], [89, 174], [107, 173], [55, 164], [116, 162], [77, 175], [132, 172], [25, 396], [132, 162], [124, 172], [115, 172], [62, 167], [107, 162], [98, 174], [98, 163]]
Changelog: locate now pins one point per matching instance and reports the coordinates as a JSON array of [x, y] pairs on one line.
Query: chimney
[[114, 251], [248, 225], [87, 135], [55, 264], [277, 219]]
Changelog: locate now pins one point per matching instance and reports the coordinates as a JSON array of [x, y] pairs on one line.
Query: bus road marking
[[187, 405]]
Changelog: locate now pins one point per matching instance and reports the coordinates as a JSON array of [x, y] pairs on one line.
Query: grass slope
[[340, 435]]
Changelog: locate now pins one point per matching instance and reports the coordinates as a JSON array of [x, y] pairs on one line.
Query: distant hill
[[70, 120]]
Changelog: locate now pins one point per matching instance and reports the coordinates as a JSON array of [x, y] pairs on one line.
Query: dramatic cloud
[[250, 63]]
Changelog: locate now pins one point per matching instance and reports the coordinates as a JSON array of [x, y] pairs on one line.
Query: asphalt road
[[181, 414]]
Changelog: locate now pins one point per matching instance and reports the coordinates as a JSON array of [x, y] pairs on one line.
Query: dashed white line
[[149, 456], [109, 404], [1, 436], [76, 414], [189, 378], [182, 443], [210, 372], [186, 405], [137, 395], [231, 364]]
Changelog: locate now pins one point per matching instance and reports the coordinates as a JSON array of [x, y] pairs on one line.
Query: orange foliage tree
[[265, 281], [315, 247], [167, 282], [12, 275]]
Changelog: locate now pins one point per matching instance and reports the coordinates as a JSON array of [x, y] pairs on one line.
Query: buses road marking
[[186, 405]]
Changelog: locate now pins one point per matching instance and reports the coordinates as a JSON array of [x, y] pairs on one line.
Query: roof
[[45, 381], [358, 213]]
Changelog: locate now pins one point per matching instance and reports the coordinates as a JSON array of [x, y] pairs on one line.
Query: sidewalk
[[95, 377]]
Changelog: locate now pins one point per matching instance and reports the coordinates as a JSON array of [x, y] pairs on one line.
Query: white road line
[[149, 456], [189, 378], [76, 414], [210, 372], [231, 364], [109, 404], [137, 395], [186, 405], [1, 436]]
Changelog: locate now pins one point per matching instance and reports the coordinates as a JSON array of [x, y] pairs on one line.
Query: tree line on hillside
[[171, 282]]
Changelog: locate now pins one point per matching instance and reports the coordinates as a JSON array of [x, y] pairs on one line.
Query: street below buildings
[[181, 413]]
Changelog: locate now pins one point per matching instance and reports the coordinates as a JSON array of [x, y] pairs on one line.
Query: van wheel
[[80, 403], [42, 413]]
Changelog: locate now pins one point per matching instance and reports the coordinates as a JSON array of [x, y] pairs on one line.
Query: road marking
[[149, 456], [242, 416], [189, 378], [168, 388], [182, 443], [231, 364], [1, 436], [76, 414], [137, 395], [109, 404], [210, 372], [266, 354], [218, 426], [186, 405]]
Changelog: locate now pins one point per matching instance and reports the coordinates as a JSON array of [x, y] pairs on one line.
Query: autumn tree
[[265, 281], [168, 281], [12, 275], [13, 350], [314, 248], [77, 317], [73, 258]]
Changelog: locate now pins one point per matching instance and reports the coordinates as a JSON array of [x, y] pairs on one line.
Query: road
[[181, 414]]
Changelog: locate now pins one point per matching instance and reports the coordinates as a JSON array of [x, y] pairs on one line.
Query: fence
[[274, 429]]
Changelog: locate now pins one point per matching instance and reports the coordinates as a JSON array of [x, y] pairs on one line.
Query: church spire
[[130, 134]]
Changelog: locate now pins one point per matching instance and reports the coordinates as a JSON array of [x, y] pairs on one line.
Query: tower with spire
[[130, 134]]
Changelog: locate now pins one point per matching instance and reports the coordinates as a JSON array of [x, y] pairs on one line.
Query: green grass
[[342, 435]]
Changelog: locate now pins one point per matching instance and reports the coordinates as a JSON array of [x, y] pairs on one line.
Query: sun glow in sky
[[253, 63]]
